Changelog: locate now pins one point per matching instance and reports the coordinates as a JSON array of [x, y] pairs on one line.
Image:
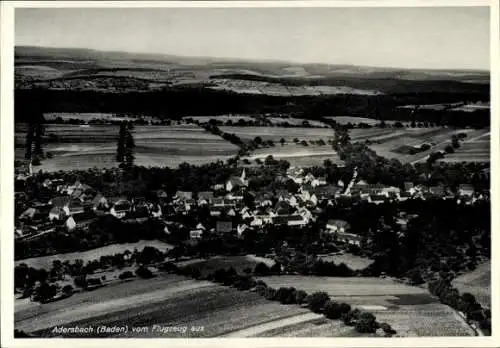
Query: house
[[217, 211], [205, 197], [350, 238], [80, 220], [241, 228], [377, 199], [340, 226], [137, 214], [283, 208], [99, 202], [236, 182], [231, 212], [409, 187], [74, 206], [161, 194], [59, 201], [57, 213], [196, 234], [156, 211], [326, 191], [289, 220], [224, 227], [42, 227], [120, 208], [465, 190], [47, 183], [30, 214], [437, 191], [305, 213], [403, 196], [184, 195]]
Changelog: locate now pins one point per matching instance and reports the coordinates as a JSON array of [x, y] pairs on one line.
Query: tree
[[129, 147], [282, 141], [327, 163], [296, 140], [143, 272], [120, 149], [126, 275], [81, 281], [413, 124], [44, 292], [449, 149], [261, 269], [455, 142], [317, 301]]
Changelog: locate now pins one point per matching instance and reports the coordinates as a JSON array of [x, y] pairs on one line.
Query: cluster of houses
[[77, 205]]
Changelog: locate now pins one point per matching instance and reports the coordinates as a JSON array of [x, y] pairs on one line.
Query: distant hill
[[201, 69]]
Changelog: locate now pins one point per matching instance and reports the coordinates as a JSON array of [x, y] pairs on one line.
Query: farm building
[[333, 226], [80, 220]]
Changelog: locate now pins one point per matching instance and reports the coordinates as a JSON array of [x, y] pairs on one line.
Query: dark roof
[[378, 198], [224, 226], [60, 201], [339, 223], [83, 217], [284, 219], [468, 187], [205, 195]]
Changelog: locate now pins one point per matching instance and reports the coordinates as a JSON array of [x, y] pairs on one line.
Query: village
[[232, 207]]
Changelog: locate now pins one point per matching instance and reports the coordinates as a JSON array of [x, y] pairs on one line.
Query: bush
[[317, 301], [366, 323], [345, 308], [80, 281], [261, 289], [270, 294], [143, 272], [220, 275], [300, 296], [332, 310], [261, 269], [67, 290], [126, 275], [94, 281], [276, 268], [169, 267], [388, 330]]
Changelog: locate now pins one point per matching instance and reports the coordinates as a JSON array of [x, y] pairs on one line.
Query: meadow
[[81, 147], [93, 254]]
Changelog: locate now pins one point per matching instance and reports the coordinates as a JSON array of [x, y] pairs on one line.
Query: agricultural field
[[278, 89], [167, 300], [356, 120], [93, 254], [82, 147], [393, 143], [475, 149], [223, 118], [87, 116], [276, 133], [294, 152], [411, 311]]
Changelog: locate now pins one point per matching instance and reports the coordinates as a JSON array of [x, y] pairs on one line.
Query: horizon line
[[256, 60]]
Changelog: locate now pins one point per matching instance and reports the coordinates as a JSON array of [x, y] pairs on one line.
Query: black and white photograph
[[197, 172]]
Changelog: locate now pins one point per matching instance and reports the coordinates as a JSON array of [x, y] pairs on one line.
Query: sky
[[428, 38]]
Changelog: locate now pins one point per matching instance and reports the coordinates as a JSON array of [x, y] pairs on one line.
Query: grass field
[[81, 147], [477, 282], [93, 254]]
